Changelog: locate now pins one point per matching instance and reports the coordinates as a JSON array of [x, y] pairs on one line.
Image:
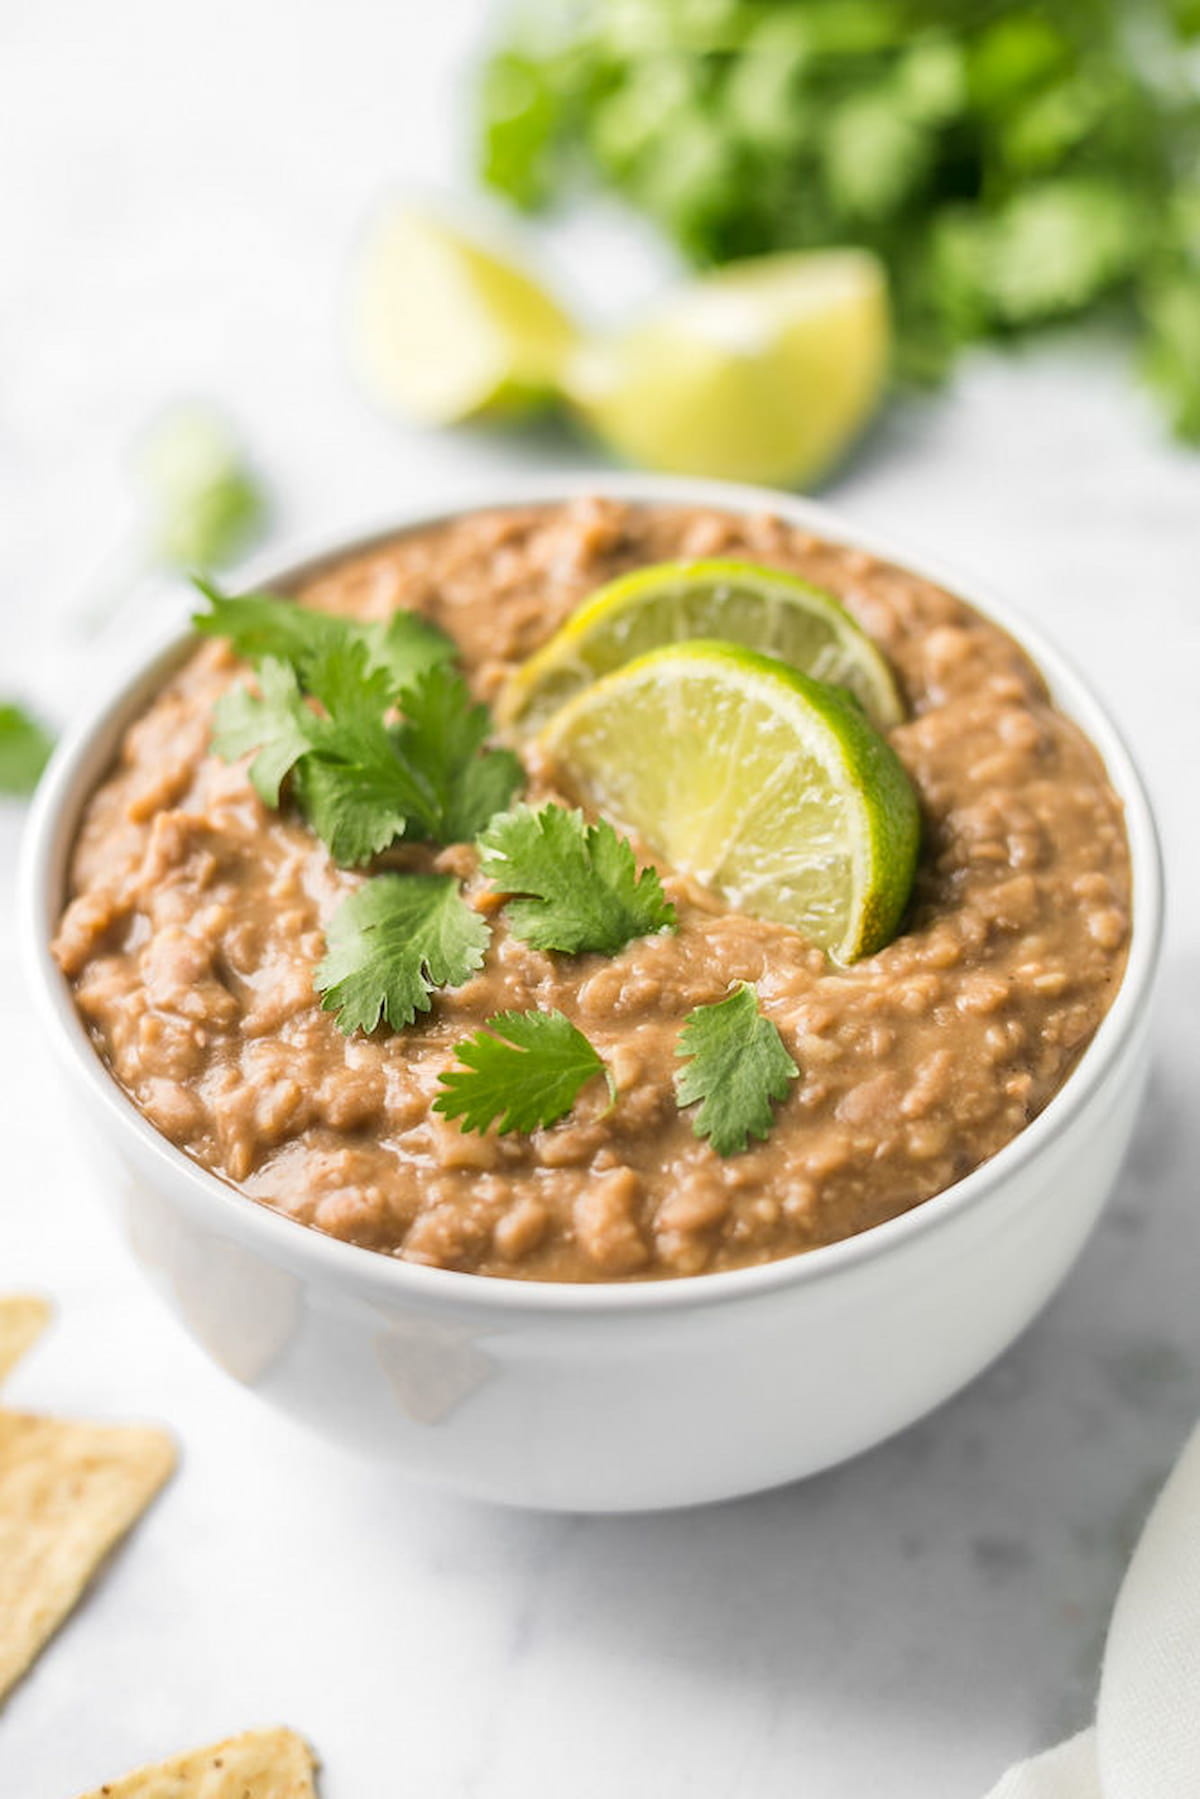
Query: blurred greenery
[[202, 503], [205, 504], [1013, 164], [25, 747]]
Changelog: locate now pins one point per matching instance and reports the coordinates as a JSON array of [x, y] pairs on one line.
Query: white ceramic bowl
[[613, 1397]]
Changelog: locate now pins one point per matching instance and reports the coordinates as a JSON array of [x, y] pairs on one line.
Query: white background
[[180, 190]]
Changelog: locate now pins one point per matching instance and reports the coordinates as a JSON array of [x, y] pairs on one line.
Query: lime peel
[[764, 608]]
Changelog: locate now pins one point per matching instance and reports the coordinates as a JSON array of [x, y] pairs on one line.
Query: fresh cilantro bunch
[[1013, 164]]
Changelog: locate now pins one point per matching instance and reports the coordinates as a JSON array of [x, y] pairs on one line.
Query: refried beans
[[196, 919]]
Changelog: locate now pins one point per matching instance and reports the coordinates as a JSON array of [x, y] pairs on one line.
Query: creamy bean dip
[[196, 918]]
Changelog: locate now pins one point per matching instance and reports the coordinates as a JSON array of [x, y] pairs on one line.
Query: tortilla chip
[[23, 1318], [68, 1494], [259, 1764]]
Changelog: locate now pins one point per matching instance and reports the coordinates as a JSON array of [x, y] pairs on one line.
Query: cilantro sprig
[[575, 885], [442, 734], [736, 1066], [361, 781], [274, 726], [356, 792], [381, 741], [394, 940], [259, 625], [525, 1069]]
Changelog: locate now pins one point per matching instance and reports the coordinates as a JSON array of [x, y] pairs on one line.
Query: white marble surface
[[180, 191]]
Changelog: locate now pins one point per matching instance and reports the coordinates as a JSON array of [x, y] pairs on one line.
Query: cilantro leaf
[[258, 625], [355, 807], [275, 723], [24, 750], [737, 1065], [351, 783], [406, 645], [391, 943], [361, 782], [442, 734], [356, 789], [487, 786], [577, 884], [524, 1068]]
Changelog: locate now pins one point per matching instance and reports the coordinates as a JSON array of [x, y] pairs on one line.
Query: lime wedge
[[762, 372], [770, 788], [670, 602], [445, 330]]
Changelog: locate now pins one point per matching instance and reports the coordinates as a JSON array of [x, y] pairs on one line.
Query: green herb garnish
[[576, 885], [737, 1065], [442, 735], [373, 759], [524, 1068], [324, 716], [361, 781], [391, 943], [258, 625], [24, 750], [275, 724], [354, 788]]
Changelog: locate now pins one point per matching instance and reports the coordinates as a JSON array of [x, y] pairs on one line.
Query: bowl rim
[[70, 778]]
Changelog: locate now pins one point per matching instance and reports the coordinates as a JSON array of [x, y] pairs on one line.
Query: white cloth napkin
[[1146, 1740]]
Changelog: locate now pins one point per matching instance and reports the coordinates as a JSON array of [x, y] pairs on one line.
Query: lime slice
[[763, 371], [445, 330], [670, 602], [767, 786]]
